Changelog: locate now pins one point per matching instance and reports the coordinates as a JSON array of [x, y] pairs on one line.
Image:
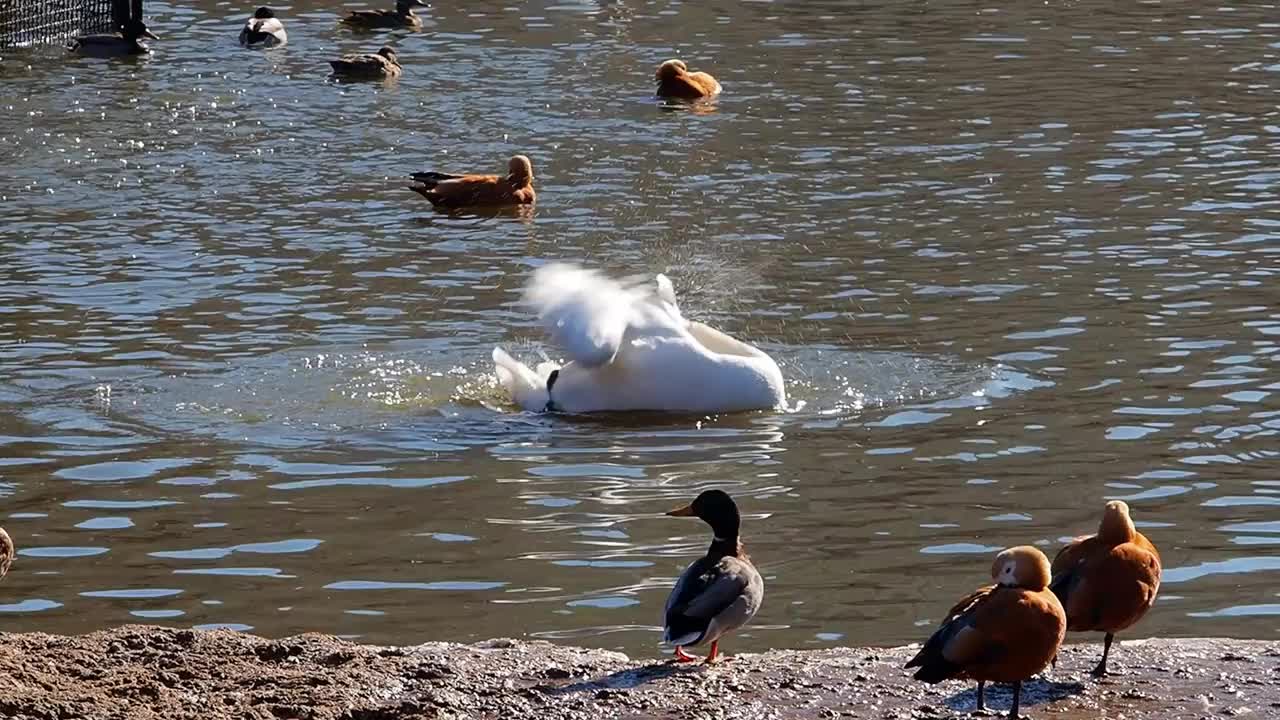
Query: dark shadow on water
[[522, 213], [339, 79], [701, 106], [999, 696]]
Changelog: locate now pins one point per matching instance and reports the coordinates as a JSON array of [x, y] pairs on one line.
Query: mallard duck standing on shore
[[402, 17], [720, 591], [263, 30], [380, 65], [675, 81], [455, 191], [127, 42], [1107, 581], [1006, 632]]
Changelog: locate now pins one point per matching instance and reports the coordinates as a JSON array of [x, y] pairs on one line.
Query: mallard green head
[[263, 13], [717, 509]]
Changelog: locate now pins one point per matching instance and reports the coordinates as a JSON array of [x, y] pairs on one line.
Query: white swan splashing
[[630, 348]]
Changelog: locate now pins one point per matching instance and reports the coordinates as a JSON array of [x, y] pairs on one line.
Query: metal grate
[[40, 22]]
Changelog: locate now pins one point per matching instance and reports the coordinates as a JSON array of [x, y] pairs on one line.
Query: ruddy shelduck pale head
[[1023, 566], [520, 168], [670, 69], [1116, 525]]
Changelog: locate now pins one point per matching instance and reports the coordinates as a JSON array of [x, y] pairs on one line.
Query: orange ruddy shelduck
[[1005, 632], [675, 81], [455, 191], [1107, 581]]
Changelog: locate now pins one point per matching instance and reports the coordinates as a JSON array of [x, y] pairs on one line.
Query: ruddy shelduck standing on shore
[[455, 191], [675, 81], [1108, 581], [1005, 632]]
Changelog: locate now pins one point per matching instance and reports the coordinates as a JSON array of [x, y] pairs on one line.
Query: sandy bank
[[151, 672]]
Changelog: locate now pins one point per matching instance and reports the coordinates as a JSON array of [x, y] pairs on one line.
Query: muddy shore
[[153, 672]]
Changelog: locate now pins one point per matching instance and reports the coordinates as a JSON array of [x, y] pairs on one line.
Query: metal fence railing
[[43, 22]]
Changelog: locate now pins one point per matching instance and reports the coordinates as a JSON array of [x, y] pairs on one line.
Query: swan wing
[[585, 313]]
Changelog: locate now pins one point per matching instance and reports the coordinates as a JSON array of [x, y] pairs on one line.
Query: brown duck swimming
[[401, 17], [1107, 581], [675, 81], [455, 191], [720, 591], [383, 64], [1005, 632]]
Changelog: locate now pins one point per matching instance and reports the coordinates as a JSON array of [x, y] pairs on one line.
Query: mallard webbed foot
[[683, 657]]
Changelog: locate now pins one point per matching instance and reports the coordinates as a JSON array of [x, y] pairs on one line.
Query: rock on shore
[[153, 673]]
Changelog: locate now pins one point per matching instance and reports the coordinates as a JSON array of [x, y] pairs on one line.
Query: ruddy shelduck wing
[[985, 633], [932, 660], [705, 83]]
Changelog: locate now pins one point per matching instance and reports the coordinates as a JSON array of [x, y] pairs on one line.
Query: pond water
[[1014, 261]]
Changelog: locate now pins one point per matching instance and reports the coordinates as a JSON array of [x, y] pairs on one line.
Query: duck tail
[[430, 179], [521, 383], [933, 666], [1061, 586], [936, 670], [682, 640]]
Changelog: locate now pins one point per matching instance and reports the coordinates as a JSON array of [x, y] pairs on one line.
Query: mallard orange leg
[[714, 656], [684, 657]]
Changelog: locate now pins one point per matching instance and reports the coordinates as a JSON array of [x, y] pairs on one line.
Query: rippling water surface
[[1013, 260]]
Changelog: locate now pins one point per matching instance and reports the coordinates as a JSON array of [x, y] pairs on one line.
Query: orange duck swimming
[[1108, 581], [1005, 632], [675, 81], [455, 191]]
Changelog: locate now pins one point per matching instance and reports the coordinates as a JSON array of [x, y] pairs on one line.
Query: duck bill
[[149, 34], [686, 511]]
